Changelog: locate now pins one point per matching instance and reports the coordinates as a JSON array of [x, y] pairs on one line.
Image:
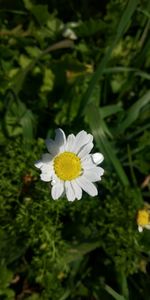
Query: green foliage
[[39, 228], [88, 249], [6, 276]]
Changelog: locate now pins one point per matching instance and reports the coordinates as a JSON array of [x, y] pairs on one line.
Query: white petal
[[38, 164], [53, 182], [46, 158], [69, 191], [57, 189], [97, 158], [82, 138], [87, 186], [77, 189], [52, 147], [70, 142], [87, 162], [94, 174], [55, 179], [60, 139], [46, 168], [140, 228], [85, 150], [45, 177]]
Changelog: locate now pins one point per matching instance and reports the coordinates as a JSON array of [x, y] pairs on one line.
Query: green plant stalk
[[131, 166]]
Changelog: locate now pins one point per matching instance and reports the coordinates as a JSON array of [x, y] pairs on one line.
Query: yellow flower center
[[67, 166], [143, 217]]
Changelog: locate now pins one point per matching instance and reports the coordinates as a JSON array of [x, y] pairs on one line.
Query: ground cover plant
[[76, 66]]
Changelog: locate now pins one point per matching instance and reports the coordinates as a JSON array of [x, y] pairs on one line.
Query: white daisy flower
[[69, 165]]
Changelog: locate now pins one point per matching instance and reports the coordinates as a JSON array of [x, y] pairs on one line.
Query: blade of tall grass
[[110, 110], [131, 166], [137, 61], [66, 294], [13, 11], [133, 112], [144, 12], [98, 128], [137, 72], [113, 293], [121, 29], [122, 280]]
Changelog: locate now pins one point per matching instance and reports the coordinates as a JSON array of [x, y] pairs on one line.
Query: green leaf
[[28, 4], [5, 278], [90, 27], [78, 251], [19, 120], [26, 122], [33, 52], [48, 81], [40, 12], [34, 296]]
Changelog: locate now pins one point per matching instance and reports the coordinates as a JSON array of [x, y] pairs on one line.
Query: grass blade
[[121, 29], [98, 128], [133, 112], [113, 293], [110, 110]]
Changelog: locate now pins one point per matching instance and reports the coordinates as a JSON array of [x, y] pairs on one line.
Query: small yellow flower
[[143, 218]]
